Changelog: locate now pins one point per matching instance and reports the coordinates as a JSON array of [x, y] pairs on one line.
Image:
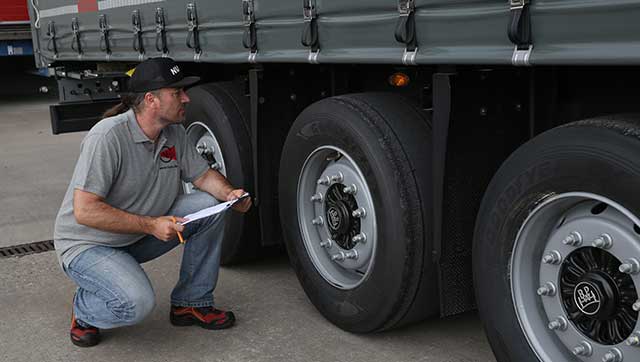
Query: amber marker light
[[399, 80]]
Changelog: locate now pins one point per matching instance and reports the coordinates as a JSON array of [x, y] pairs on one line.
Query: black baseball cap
[[156, 73]]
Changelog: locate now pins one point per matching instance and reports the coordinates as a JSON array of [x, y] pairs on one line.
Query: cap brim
[[185, 82]]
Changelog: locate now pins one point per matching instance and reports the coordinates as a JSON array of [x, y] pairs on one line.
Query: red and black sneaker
[[205, 317], [83, 334]]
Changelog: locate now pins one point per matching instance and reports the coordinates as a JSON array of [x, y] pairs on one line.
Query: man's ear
[[150, 99]]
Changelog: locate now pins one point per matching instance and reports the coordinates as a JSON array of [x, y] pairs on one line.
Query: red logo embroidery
[[168, 153]]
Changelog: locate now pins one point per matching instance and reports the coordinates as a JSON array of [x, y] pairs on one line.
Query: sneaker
[[83, 334], [205, 317]]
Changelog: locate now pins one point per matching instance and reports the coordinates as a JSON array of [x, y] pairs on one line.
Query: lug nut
[[326, 244], [359, 238], [351, 254], [604, 241], [216, 166], [316, 197], [553, 257], [338, 257], [359, 213], [630, 266], [350, 190], [583, 349], [317, 221], [324, 181], [634, 340], [558, 324], [636, 306], [614, 355], [573, 239], [548, 290], [337, 178]]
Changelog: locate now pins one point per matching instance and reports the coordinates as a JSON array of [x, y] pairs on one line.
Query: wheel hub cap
[[339, 207]]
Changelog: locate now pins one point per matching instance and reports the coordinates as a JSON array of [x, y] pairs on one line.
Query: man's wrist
[[146, 224]]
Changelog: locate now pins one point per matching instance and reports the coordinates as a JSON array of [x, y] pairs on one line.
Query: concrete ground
[[276, 322]]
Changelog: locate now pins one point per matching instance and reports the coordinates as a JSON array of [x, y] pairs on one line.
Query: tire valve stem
[[548, 290], [558, 324], [630, 266], [316, 197], [359, 213], [553, 257], [604, 241], [360, 238], [583, 349], [338, 257], [350, 190], [317, 221], [636, 306], [573, 239], [614, 355]]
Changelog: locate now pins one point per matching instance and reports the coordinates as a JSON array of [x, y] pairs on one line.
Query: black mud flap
[[78, 116]]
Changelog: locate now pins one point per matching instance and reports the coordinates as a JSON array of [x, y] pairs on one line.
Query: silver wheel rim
[[551, 311], [330, 174], [204, 140]]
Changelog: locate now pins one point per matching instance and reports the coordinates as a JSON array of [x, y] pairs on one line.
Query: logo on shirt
[[168, 153], [175, 70]]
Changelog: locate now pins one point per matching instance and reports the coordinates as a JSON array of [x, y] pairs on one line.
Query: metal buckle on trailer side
[[138, 44], [75, 43], [161, 33], [520, 32], [406, 22], [193, 32], [52, 45], [250, 36], [105, 45], [310, 15]]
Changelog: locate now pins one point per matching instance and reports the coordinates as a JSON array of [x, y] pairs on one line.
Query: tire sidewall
[[328, 123], [568, 159]]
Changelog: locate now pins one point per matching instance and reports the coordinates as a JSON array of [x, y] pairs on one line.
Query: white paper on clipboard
[[212, 210]]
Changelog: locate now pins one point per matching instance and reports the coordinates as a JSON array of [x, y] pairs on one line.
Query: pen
[[179, 233]]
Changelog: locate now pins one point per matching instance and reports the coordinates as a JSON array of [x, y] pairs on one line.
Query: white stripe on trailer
[[112, 4], [62, 10]]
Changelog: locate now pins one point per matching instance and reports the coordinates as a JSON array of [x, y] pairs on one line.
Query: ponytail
[[127, 101]]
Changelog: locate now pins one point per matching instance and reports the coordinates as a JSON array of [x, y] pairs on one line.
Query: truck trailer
[[417, 158]]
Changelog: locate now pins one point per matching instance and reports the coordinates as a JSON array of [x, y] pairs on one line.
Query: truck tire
[[355, 193], [218, 123], [557, 245]]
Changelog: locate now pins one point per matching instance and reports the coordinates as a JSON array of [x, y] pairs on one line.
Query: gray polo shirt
[[119, 163]]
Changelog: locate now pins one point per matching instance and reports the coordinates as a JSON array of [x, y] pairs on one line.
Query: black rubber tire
[[598, 156], [224, 109], [389, 138]]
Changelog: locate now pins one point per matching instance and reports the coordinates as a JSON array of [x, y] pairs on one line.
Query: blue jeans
[[113, 289]]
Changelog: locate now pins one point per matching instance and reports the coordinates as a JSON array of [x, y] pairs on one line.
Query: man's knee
[[133, 307]]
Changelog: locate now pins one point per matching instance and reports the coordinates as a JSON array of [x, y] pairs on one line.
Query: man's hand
[[243, 205], [165, 229]]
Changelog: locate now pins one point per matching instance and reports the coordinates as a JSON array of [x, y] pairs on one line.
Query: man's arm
[[217, 185], [91, 210]]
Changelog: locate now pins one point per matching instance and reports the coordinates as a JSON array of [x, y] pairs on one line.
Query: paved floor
[[276, 322]]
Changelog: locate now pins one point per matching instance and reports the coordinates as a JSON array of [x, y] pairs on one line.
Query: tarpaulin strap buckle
[[138, 44], [161, 33], [75, 43], [105, 46], [52, 45], [193, 37], [520, 31], [250, 38], [406, 31], [310, 36]]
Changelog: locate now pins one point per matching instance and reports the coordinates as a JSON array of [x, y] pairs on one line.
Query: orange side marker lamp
[[179, 233]]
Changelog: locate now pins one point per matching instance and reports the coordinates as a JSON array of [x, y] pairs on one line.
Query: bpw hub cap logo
[[587, 298], [175, 70], [334, 218]]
